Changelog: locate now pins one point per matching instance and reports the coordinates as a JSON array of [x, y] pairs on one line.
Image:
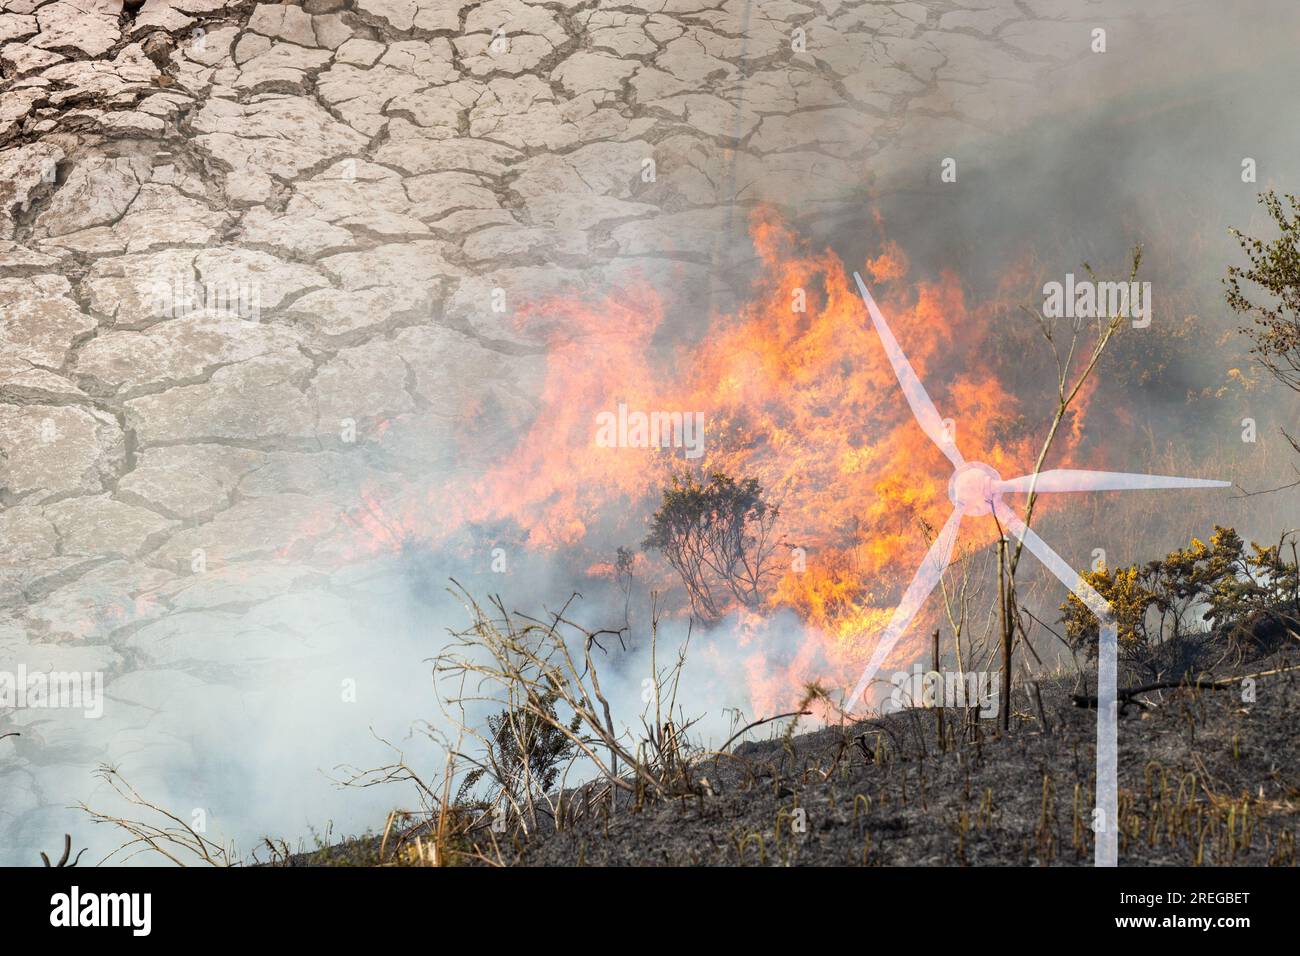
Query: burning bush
[[718, 538], [1230, 589]]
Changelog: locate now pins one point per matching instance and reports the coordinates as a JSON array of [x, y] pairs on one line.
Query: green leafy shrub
[[525, 750], [1275, 270]]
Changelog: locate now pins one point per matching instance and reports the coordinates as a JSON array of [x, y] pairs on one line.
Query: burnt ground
[[1206, 778]]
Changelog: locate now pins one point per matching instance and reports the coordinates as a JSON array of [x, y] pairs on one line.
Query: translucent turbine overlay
[[976, 489]]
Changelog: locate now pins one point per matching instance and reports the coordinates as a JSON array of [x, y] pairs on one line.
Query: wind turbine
[[975, 489]]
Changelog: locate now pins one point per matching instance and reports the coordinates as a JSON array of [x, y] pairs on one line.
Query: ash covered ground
[[1208, 775]]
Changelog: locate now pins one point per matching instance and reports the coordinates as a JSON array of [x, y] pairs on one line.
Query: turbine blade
[[927, 576], [1051, 560], [922, 408], [1069, 479]]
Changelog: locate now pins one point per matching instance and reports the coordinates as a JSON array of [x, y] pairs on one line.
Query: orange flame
[[803, 399]]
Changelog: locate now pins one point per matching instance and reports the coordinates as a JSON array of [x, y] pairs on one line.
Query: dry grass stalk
[[174, 839]]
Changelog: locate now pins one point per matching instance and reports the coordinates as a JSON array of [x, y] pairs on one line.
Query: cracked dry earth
[[231, 233]]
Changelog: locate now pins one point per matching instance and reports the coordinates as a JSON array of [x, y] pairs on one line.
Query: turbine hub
[[971, 488]]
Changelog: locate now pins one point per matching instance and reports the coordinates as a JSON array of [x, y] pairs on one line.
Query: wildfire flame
[[803, 400]]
